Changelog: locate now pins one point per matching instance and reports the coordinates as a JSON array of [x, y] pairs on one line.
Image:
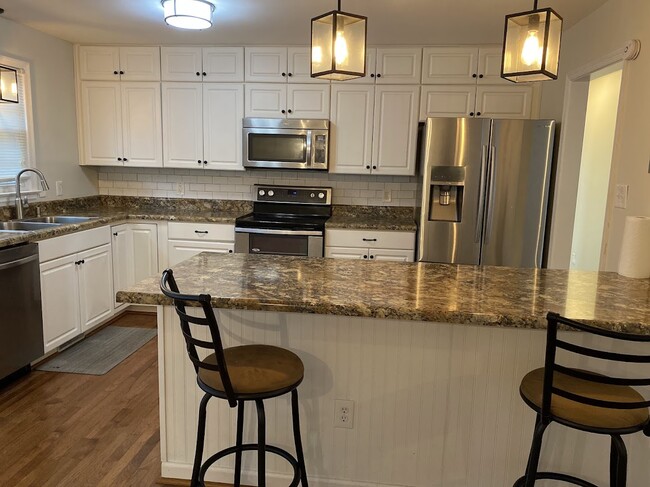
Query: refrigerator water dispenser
[[446, 193]]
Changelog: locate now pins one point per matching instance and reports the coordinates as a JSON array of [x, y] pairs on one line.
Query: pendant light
[[188, 14], [8, 84], [338, 45], [531, 45]]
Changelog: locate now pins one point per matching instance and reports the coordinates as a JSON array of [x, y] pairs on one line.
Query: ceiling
[[251, 22]]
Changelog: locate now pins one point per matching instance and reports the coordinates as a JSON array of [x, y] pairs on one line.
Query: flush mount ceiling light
[[188, 14], [8, 84], [338, 45], [531, 45]]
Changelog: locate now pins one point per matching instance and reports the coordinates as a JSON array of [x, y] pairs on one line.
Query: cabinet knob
[[365, 256], [372, 75], [125, 159], [205, 163], [114, 234], [378, 75], [372, 256], [367, 167], [480, 75], [121, 72], [115, 72], [119, 158], [474, 75], [230, 251], [283, 111], [200, 161], [290, 74], [478, 114], [289, 111], [204, 73], [374, 167], [198, 74], [471, 114], [284, 74]]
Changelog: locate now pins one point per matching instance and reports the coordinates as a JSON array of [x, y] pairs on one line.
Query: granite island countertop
[[489, 296]]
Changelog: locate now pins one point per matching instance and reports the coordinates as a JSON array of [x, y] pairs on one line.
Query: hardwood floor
[[77, 430]]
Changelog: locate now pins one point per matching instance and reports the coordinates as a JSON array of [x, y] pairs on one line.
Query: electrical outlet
[[621, 196], [344, 413], [59, 188], [180, 188], [388, 196]]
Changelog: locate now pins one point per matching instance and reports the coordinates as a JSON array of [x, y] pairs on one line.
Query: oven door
[[277, 148], [278, 242]]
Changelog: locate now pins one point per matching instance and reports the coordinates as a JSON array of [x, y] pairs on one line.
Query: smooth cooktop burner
[[286, 221]]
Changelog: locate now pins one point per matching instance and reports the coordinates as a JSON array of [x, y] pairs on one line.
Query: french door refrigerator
[[485, 191]]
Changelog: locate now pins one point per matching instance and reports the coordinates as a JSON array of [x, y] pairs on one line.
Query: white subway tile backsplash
[[348, 189]]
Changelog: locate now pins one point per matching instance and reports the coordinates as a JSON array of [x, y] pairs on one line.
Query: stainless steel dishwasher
[[21, 322]]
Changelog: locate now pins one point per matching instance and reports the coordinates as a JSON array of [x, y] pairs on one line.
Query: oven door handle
[[269, 231]]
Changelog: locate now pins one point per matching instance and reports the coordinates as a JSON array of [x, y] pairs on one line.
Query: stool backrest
[[169, 288], [551, 365]]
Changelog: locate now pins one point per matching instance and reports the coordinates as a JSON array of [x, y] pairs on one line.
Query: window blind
[[13, 136]]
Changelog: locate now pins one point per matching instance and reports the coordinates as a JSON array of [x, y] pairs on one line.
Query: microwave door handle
[[311, 153]]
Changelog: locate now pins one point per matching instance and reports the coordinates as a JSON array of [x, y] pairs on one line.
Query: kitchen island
[[431, 355]]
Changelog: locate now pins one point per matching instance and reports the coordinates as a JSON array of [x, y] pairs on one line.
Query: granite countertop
[[372, 218], [490, 296]]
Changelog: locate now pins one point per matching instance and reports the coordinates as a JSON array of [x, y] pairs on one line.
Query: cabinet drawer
[[201, 231], [53, 248], [370, 239]]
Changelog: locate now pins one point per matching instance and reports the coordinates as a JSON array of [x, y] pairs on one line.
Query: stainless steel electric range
[[286, 220]]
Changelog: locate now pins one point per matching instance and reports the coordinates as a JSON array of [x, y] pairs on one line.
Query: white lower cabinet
[[383, 245], [76, 284], [188, 239], [135, 254]]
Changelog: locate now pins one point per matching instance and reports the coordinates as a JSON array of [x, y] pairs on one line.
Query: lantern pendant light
[[8, 85], [338, 45], [531, 45]]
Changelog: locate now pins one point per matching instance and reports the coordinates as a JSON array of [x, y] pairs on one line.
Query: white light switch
[[59, 188], [621, 196]]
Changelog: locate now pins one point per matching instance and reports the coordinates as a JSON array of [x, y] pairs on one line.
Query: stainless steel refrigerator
[[485, 191]]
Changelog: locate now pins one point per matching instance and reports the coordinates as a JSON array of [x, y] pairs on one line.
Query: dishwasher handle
[[15, 263]]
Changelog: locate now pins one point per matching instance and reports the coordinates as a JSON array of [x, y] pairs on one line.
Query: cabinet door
[[371, 70], [223, 64], [447, 101], [308, 101], [142, 128], [60, 301], [266, 64], [181, 64], [265, 100], [99, 63], [140, 63], [346, 253], [182, 108], [180, 250], [101, 123], [299, 66], [449, 65], [396, 130], [145, 250], [392, 255], [351, 128], [489, 66], [223, 110], [399, 66], [122, 248], [95, 286], [504, 101]]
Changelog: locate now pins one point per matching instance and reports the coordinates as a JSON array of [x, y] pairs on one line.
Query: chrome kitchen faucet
[[19, 201]]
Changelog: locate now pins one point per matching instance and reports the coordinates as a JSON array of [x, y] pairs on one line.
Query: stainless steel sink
[[60, 219], [26, 226]]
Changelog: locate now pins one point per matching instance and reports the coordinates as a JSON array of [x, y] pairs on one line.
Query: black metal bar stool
[[585, 400], [238, 374]]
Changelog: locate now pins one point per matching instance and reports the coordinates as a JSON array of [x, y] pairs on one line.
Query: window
[[16, 146]]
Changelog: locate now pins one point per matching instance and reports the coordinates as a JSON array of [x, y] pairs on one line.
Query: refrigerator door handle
[[490, 196], [480, 204]]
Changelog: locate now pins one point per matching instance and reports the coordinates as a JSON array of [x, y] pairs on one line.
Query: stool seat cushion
[[255, 369], [585, 415]]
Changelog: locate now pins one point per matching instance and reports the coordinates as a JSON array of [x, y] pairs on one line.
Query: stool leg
[[200, 440], [613, 463], [535, 451], [240, 434], [261, 444], [621, 461], [296, 436]]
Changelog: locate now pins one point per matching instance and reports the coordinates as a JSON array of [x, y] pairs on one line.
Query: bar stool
[[585, 400], [238, 374]]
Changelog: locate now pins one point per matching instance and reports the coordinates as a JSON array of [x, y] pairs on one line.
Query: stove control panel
[[293, 194]]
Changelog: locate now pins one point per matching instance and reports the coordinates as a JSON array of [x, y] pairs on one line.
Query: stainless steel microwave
[[278, 143]]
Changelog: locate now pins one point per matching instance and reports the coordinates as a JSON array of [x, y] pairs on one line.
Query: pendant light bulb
[[532, 51], [340, 48]]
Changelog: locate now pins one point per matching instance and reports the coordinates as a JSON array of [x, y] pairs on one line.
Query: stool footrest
[[252, 447], [521, 481]]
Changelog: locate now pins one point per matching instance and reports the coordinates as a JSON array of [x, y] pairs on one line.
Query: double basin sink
[[41, 223]]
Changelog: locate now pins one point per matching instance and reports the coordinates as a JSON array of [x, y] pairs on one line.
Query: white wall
[[53, 104], [595, 165], [605, 30]]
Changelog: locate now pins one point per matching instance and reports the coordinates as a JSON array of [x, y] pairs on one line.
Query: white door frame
[[570, 150]]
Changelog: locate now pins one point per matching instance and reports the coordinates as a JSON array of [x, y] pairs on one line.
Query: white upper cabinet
[[101, 63], [369, 78], [308, 101], [266, 64], [504, 101], [449, 65], [223, 110], [447, 101], [273, 100], [489, 67], [267, 100], [399, 66], [141, 125], [182, 108], [299, 66], [101, 120], [220, 64]]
